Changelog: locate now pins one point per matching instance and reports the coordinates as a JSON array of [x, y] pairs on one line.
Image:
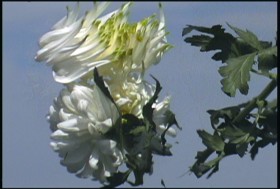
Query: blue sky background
[[189, 76]]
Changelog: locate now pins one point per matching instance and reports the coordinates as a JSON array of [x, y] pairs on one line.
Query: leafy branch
[[252, 124]]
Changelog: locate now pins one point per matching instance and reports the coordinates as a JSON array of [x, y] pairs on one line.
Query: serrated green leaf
[[267, 59], [236, 74], [219, 40], [211, 141], [240, 48], [249, 37]]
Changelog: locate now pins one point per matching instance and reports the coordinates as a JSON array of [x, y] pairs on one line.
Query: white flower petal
[[122, 101], [104, 126], [73, 168], [99, 8], [94, 159], [68, 71], [170, 132], [107, 146], [53, 46], [63, 116], [86, 171], [66, 100], [73, 125], [78, 155]]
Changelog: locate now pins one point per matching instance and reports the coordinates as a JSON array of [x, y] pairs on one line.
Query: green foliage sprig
[[247, 126]]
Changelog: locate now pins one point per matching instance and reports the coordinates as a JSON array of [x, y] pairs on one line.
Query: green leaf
[[147, 108], [171, 120], [239, 133], [140, 165], [268, 117], [214, 29], [202, 156], [259, 144], [219, 40], [200, 168], [132, 134], [267, 59], [236, 74], [214, 142], [241, 139], [138, 130], [200, 41], [228, 114], [100, 83], [117, 179], [162, 183], [159, 148], [241, 149], [249, 37], [214, 170]]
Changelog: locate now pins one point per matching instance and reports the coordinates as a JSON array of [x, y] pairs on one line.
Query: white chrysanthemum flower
[[75, 46], [79, 118], [132, 94]]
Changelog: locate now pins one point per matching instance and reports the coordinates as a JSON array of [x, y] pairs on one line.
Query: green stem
[[266, 74], [253, 103]]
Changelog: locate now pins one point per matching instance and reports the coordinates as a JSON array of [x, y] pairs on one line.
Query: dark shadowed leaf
[[117, 179], [147, 108], [227, 114], [162, 183], [140, 165], [211, 141], [216, 39], [241, 149], [100, 83]]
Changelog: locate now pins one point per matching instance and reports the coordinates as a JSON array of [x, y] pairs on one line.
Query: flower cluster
[[107, 115]]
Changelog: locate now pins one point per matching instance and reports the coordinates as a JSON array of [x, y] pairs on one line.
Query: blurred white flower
[[75, 46], [79, 119]]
